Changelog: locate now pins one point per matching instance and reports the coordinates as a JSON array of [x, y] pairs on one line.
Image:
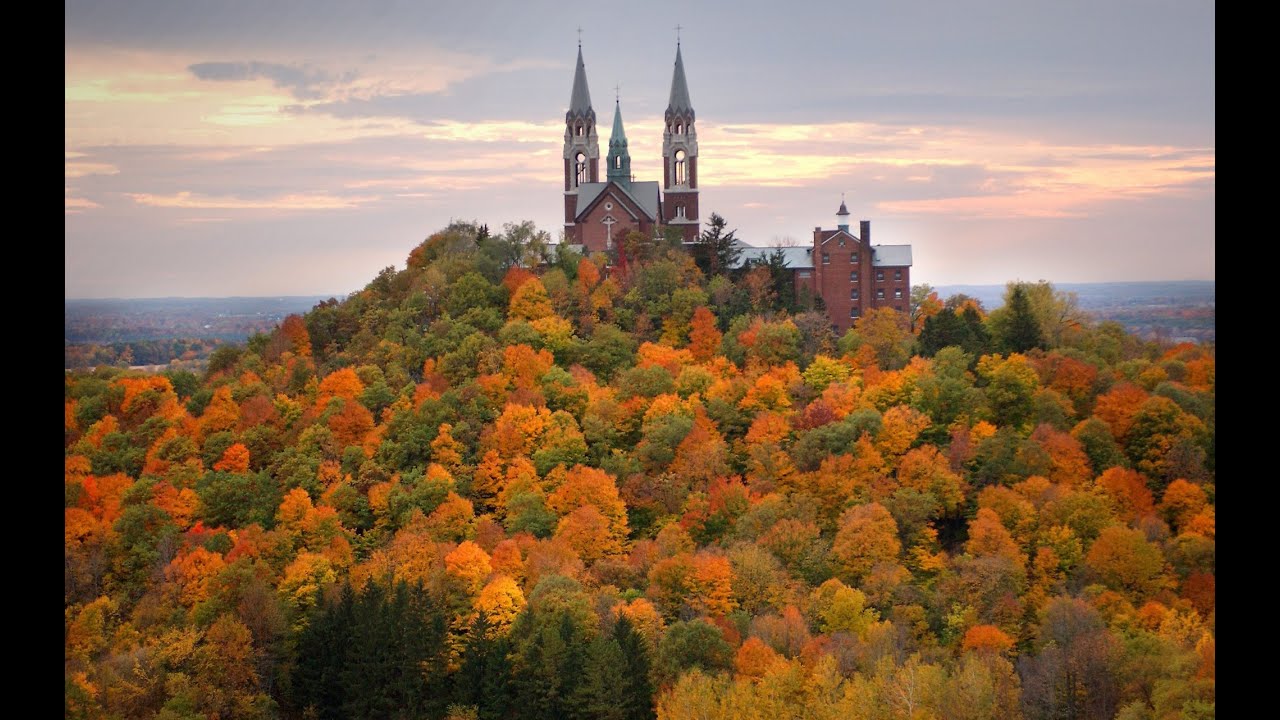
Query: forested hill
[[477, 490]]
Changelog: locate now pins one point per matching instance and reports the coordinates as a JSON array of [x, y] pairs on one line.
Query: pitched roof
[[843, 210], [618, 136], [891, 255], [797, 257], [679, 101], [580, 100], [643, 195]]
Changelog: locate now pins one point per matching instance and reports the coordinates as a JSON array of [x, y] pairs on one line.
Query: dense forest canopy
[[504, 482]]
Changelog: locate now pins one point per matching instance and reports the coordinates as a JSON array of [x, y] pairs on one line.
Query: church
[[597, 215], [849, 273]]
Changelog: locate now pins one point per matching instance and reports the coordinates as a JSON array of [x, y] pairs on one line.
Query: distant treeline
[[142, 352]]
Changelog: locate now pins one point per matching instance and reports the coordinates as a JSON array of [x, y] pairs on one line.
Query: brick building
[[849, 273], [599, 214]]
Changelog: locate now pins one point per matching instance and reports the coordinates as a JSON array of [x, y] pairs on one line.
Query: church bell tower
[[581, 143], [680, 158]]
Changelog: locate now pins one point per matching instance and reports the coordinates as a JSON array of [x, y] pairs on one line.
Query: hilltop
[[497, 485]]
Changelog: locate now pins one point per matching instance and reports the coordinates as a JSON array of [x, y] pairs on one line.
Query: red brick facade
[[596, 235], [848, 279]]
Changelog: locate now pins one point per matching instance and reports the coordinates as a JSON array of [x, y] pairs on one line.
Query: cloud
[[304, 82], [295, 201], [73, 205]]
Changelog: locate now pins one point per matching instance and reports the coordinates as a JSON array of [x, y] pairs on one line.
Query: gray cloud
[[305, 83]]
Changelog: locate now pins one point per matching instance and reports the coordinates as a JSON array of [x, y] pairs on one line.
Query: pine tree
[[716, 252], [636, 692], [604, 675], [1021, 330]]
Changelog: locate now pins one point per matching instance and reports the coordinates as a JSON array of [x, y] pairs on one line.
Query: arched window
[[679, 128], [578, 130], [617, 161], [580, 173], [679, 167], [680, 211]]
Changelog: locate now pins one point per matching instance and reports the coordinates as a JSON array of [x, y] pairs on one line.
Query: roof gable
[[588, 201], [834, 233]]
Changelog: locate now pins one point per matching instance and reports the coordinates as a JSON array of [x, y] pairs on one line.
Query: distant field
[[155, 331], [233, 318]]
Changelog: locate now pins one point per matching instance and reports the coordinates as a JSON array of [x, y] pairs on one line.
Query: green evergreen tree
[[716, 251], [1020, 330], [636, 693]]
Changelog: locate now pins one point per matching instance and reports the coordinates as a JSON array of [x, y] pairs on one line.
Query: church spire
[[680, 157], [581, 144], [679, 102], [580, 100], [619, 159]]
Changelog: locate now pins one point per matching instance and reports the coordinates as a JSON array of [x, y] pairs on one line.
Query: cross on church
[[677, 34], [617, 93], [579, 36], [608, 230]]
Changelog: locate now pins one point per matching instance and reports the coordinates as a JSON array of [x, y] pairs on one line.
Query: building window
[[679, 128], [680, 211], [853, 276], [841, 242], [804, 273], [617, 161], [826, 258], [879, 276], [880, 294], [578, 130], [679, 167], [853, 313], [580, 176], [897, 274], [853, 294], [854, 258], [897, 294]]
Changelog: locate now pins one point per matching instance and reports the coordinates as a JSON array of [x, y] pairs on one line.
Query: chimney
[[864, 227]]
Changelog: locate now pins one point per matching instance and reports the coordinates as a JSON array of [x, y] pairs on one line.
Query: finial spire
[[677, 36], [580, 99], [617, 94], [579, 37], [679, 102]]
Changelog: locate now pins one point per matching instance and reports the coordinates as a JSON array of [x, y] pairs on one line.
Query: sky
[[297, 147]]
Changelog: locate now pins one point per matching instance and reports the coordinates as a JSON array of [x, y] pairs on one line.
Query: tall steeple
[[581, 143], [580, 100], [679, 102], [680, 156], [619, 160]]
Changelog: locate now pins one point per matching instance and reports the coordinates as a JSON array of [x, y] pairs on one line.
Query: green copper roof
[[618, 136], [679, 102], [619, 160]]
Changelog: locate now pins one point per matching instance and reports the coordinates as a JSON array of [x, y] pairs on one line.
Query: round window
[[608, 206]]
